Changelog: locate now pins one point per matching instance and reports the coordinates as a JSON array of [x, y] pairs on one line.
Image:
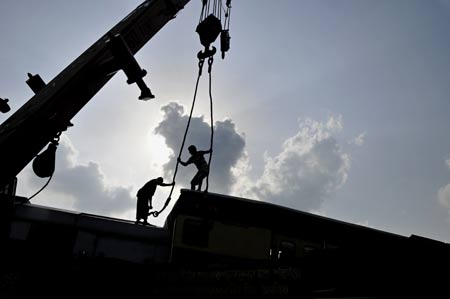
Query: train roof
[[32, 213], [248, 212]]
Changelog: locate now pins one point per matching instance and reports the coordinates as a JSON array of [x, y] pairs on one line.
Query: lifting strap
[[210, 62], [200, 68], [209, 28]]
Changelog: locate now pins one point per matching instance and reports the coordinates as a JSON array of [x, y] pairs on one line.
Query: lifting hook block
[[206, 53]]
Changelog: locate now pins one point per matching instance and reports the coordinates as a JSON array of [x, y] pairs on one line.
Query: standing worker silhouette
[[199, 161], [144, 198]]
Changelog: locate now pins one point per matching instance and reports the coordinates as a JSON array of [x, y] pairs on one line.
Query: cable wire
[[200, 67], [210, 63], [43, 187]]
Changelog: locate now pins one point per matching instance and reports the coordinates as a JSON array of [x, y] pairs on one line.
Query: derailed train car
[[214, 242], [330, 254]]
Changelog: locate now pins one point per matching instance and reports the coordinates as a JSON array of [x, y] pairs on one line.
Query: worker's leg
[[196, 181], [141, 209], [203, 175]]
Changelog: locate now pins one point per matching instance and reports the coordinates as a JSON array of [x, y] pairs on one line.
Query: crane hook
[[208, 31]]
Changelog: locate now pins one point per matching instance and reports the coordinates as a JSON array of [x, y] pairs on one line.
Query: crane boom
[[49, 111]]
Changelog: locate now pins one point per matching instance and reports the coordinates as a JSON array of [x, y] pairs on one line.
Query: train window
[[195, 233], [287, 250], [309, 249]]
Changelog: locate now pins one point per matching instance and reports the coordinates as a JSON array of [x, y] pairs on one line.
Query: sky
[[339, 108]]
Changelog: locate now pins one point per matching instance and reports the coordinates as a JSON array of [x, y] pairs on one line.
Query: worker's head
[[159, 180], [192, 149]]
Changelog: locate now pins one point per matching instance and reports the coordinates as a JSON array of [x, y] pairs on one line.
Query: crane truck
[[211, 245]]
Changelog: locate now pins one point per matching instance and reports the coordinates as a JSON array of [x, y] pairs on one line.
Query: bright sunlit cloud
[[84, 184], [309, 170], [228, 148]]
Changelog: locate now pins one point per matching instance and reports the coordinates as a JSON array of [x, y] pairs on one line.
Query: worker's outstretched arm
[[206, 152], [181, 162]]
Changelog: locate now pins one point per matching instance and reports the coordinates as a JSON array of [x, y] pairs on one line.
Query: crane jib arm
[[49, 111]]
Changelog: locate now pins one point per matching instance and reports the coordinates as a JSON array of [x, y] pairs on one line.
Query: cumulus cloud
[[310, 167], [359, 140], [308, 170], [229, 147], [444, 192], [444, 196], [84, 185]]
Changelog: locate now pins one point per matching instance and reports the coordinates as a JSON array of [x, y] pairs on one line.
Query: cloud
[[444, 196], [309, 169], [229, 147], [359, 140], [85, 185], [444, 193]]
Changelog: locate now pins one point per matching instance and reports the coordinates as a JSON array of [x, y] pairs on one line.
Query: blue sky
[[335, 107]]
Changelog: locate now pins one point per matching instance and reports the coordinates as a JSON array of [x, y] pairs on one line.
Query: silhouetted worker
[[144, 198], [199, 161]]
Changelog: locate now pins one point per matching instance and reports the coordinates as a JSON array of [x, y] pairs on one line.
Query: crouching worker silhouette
[[199, 161], [144, 198]]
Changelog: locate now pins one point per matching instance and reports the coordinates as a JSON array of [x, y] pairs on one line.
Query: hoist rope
[[43, 187], [216, 10], [202, 13], [227, 18], [200, 67], [210, 62]]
